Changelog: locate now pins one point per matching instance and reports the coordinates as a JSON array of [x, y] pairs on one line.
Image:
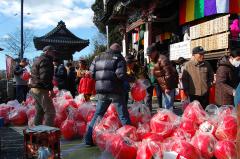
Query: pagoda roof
[[60, 37]]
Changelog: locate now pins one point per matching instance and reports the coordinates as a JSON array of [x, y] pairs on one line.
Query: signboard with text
[[182, 49]]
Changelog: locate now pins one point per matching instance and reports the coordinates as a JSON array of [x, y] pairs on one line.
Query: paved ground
[[11, 146]]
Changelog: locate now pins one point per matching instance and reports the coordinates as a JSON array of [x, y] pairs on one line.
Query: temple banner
[[182, 49]]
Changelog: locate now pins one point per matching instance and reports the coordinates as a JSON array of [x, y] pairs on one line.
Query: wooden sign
[[181, 49]]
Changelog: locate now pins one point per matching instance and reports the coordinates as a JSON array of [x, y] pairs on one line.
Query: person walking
[[167, 77], [21, 84], [42, 87], [227, 78], [109, 71], [60, 74], [153, 55], [197, 77], [71, 77]]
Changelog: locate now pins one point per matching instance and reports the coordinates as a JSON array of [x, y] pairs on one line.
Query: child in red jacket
[[87, 86]]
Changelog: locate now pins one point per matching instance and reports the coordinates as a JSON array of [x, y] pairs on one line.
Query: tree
[[13, 42], [99, 46], [114, 33]]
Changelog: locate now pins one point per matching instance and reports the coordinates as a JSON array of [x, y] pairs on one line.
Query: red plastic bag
[[81, 128], [205, 142], [185, 149], [122, 148], [111, 110], [31, 122], [226, 110], [31, 112], [128, 131], [142, 130], [59, 120], [225, 150], [195, 112], [86, 111], [107, 124], [189, 126], [102, 139], [4, 112], [79, 100], [139, 113], [138, 91], [164, 122], [68, 129], [227, 128], [18, 116], [181, 134], [26, 76], [151, 147]]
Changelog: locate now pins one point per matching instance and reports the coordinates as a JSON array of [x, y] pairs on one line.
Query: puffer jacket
[[86, 85], [18, 72], [60, 75], [165, 73], [109, 71], [226, 81], [42, 72]]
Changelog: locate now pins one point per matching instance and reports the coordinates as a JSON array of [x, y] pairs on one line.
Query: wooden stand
[[41, 136]]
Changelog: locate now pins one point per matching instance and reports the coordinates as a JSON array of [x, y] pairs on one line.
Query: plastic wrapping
[[31, 122], [226, 110], [138, 91], [81, 128], [79, 100], [68, 127], [185, 149], [111, 110], [205, 142], [212, 110], [18, 116], [121, 148], [31, 112], [195, 112], [209, 126], [30, 101], [181, 134], [86, 111], [227, 128], [225, 150], [164, 122], [4, 112], [108, 124], [128, 131], [150, 147], [139, 113], [142, 130], [188, 126]]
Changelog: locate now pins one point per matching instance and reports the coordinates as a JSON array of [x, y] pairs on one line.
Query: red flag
[[9, 67]]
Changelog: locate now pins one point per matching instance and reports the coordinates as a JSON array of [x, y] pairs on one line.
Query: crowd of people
[[111, 75]]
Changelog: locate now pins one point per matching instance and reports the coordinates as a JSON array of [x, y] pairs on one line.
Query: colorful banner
[[9, 67], [195, 9]]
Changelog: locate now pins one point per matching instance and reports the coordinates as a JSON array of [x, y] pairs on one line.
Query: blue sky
[[44, 16]]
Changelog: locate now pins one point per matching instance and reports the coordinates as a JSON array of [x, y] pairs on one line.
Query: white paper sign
[[181, 49]]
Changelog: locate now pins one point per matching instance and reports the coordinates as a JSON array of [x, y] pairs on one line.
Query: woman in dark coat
[[227, 78]]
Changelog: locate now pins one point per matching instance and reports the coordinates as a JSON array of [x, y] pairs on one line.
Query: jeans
[[148, 100], [104, 100], [44, 107], [168, 99], [21, 92], [204, 99]]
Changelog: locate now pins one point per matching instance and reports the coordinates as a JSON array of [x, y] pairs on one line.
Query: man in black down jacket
[[60, 74], [109, 71], [71, 77], [41, 86]]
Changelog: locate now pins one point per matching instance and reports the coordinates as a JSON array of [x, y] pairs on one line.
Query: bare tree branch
[[13, 42]]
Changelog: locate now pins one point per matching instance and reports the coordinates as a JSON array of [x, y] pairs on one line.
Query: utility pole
[[21, 51]]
